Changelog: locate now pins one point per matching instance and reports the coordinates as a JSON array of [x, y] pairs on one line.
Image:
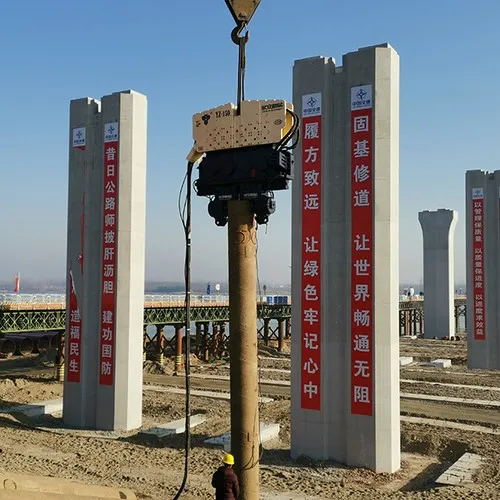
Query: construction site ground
[[153, 467]]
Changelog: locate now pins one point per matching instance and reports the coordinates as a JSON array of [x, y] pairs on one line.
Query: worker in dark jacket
[[225, 480]]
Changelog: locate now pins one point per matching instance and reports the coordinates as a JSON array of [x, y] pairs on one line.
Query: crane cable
[[185, 214]]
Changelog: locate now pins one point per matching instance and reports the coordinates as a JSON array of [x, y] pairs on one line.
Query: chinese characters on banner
[[311, 253], [109, 249], [73, 337], [362, 283], [478, 263]]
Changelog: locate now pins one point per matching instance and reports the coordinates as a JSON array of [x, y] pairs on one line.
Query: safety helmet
[[229, 459]]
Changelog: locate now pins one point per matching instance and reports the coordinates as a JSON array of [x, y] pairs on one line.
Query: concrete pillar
[[483, 269], [281, 334], [215, 339], [178, 364], [59, 361], [266, 331], [106, 235], [222, 351], [145, 342], [407, 323], [345, 359], [438, 229], [84, 184], [198, 339], [160, 343], [206, 334]]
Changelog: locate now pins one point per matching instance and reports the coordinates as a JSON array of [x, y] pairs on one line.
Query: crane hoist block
[[258, 123]]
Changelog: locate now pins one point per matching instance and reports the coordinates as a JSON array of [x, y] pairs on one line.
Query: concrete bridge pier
[[438, 230], [281, 334], [179, 364]]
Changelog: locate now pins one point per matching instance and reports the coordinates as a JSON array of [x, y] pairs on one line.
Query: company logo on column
[[311, 105], [111, 132], [477, 193], [478, 275], [80, 138], [361, 97], [310, 379]]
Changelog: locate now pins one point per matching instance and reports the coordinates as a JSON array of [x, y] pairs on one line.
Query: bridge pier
[[19, 321], [198, 339], [160, 343], [223, 341], [266, 331], [281, 334], [205, 344], [59, 362], [438, 229], [145, 343], [215, 340], [178, 366]]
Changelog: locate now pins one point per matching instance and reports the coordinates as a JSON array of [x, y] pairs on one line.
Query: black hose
[[187, 283]]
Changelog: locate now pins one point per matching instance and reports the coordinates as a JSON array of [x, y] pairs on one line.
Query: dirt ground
[[428, 350], [153, 467]]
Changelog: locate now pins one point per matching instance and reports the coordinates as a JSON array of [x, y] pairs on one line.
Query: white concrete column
[[345, 373], [438, 230], [483, 269], [119, 393], [113, 292], [80, 376]]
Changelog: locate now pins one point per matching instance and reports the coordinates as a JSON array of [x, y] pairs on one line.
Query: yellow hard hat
[[229, 459]]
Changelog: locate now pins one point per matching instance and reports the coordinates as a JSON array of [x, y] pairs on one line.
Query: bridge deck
[[57, 306], [21, 317]]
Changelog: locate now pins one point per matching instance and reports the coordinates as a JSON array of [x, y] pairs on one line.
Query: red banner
[[478, 263], [362, 203], [311, 253], [74, 335], [109, 258]]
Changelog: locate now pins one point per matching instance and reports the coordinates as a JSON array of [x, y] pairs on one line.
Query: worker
[[225, 480]]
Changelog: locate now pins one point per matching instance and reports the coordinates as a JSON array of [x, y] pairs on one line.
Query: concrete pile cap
[[175, 427], [405, 360], [461, 471], [440, 363], [30, 495], [267, 433], [33, 487]]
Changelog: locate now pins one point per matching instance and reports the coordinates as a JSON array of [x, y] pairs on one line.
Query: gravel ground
[[450, 392], [455, 375], [428, 350], [153, 468]]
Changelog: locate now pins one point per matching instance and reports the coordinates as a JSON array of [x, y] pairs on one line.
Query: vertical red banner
[[362, 250], [109, 257], [73, 337], [311, 253], [478, 263]]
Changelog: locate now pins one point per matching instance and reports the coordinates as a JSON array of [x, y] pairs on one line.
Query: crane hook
[[235, 34]]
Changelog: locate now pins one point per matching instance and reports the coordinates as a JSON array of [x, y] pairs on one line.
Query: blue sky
[[180, 55]]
